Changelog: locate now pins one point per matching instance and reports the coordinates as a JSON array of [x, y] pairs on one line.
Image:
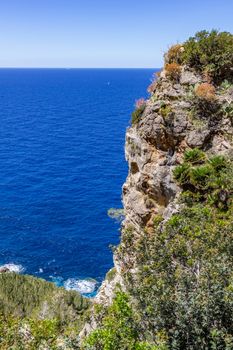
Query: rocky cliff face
[[162, 260], [154, 147]]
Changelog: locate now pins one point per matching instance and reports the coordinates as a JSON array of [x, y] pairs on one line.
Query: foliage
[[25, 296], [136, 115], [152, 87], [210, 178], [173, 71], [184, 281], [211, 53], [181, 291], [35, 312], [205, 105], [174, 54], [194, 156], [184, 286], [227, 110], [118, 330], [205, 91], [29, 334], [165, 110], [225, 85]]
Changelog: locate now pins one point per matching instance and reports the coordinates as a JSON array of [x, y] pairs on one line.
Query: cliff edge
[[171, 286]]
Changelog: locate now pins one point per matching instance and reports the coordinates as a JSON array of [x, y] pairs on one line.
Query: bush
[[218, 162], [210, 53], [205, 104], [26, 296], [181, 173], [119, 329], [225, 85], [35, 314], [152, 87], [186, 289], [206, 179], [183, 281], [140, 107], [206, 92], [227, 110], [194, 156], [173, 71], [174, 54], [28, 334]]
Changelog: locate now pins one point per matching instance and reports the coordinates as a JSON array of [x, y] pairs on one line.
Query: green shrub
[[218, 162], [200, 175], [225, 85], [137, 114], [184, 282], [26, 296], [165, 111], [227, 110], [194, 156], [182, 288], [210, 53], [34, 312], [28, 334], [204, 178], [118, 329], [182, 173]]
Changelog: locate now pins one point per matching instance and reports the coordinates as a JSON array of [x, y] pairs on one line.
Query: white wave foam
[[12, 268], [86, 286]]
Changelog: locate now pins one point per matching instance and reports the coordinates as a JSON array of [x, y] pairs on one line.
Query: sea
[[62, 167]]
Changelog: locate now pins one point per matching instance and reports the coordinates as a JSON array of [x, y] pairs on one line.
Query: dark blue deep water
[[62, 167]]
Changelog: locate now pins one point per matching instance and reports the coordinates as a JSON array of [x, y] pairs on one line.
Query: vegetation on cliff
[[184, 283], [182, 295], [176, 250], [173, 277], [36, 313], [119, 328], [209, 54]]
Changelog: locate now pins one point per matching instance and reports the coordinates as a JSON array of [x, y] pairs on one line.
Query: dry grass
[[206, 92], [173, 71]]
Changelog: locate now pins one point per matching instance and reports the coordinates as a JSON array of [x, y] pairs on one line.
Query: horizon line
[[79, 68]]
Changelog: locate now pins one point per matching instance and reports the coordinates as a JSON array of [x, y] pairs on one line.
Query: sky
[[102, 33]]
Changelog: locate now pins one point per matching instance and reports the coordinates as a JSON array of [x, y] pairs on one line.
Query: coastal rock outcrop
[[187, 115]]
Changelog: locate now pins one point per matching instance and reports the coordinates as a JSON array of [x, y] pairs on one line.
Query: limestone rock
[[189, 78], [153, 148], [197, 138]]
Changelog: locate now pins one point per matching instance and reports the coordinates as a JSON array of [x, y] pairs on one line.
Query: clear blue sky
[[102, 33]]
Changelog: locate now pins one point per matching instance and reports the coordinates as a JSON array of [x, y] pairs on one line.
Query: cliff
[[171, 287], [173, 267]]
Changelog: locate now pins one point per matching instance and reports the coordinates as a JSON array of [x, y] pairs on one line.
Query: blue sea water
[[62, 167]]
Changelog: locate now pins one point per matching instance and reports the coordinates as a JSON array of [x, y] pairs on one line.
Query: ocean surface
[[62, 167]]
